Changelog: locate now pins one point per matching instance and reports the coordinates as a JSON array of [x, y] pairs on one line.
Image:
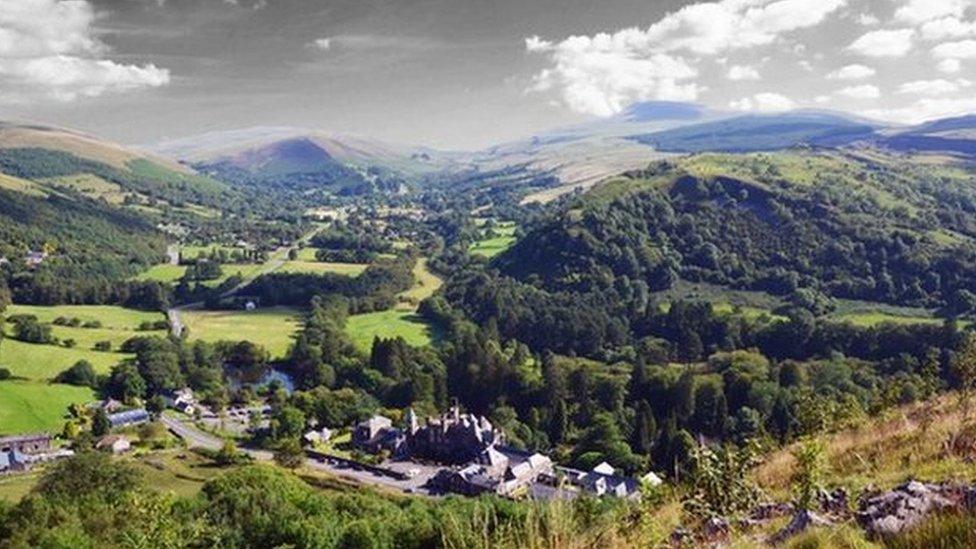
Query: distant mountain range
[[578, 156]]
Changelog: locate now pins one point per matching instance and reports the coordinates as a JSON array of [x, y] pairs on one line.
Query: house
[[129, 417], [116, 444], [316, 437], [501, 471], [16, 461], [651, 479], [110, 405], [26, 444], [33, 259], [181, 400], [376, 434], [13, 461], [472, 480], [602, 481]]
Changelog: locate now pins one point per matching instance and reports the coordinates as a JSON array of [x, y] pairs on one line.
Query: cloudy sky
[[469, 73]]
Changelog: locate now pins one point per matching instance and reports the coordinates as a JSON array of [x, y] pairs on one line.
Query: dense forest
[[837, 225]]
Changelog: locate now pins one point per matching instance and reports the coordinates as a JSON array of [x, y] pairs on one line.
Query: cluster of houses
[[477, 461]]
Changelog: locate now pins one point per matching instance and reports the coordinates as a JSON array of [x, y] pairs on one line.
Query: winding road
[[276, 259], [195, 438]]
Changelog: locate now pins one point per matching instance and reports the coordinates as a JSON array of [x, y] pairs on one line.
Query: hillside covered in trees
[[829, 224]]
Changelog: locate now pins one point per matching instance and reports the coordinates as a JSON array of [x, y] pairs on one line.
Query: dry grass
[[78, 144], [910, 442]]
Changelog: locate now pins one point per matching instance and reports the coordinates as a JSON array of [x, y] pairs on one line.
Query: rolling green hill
[[846, 225]]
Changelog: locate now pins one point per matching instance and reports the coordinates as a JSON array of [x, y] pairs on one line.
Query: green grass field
[[15, 487], [27, 406], [163, 273], [30, 402], [318, 267], [389, 324], [178, 472], [501, 240], [44, 362], [425, 283], [864, 313], [109, 315], [272, 328]]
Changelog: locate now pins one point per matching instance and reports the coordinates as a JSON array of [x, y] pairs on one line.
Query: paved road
[[276, 259], [196, 438]]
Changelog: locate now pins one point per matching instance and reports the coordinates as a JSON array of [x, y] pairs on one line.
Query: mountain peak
[[662, 110]]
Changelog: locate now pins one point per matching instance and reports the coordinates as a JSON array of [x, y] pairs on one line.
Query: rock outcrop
[[908, 505]]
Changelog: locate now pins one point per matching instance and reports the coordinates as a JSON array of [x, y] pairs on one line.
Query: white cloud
[[763, 102], [851, 72], [925, 109], [864, 91], [884, 43], [376, 42], [49, 48], [743, 72], [948, 27], [949, 66], [964, 49], [601, 74], [919, 11], [601, 80], [938, 86], [712, 27]]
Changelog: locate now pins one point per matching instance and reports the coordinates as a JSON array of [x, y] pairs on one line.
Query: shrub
[[81, 374], [104, 346]]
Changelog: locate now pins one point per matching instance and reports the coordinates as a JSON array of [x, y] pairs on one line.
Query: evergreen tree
[[559, 422], [645, 430], [100, 423]]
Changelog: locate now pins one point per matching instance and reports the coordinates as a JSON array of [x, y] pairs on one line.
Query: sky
[[465, 74]]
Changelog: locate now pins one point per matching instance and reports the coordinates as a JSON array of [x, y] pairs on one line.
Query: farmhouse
[[129, 417], [11, 462], [602, 480], [182, 400], [377, 434], [116, 444], [316, 437], [27, 444]]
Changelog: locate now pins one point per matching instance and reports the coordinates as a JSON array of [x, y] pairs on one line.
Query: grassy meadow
[[402, 321], [389, 324], [502, 237], [163, 273], [30, 402], [36, 405], [319, 267], [272, 328], [425, 283]]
